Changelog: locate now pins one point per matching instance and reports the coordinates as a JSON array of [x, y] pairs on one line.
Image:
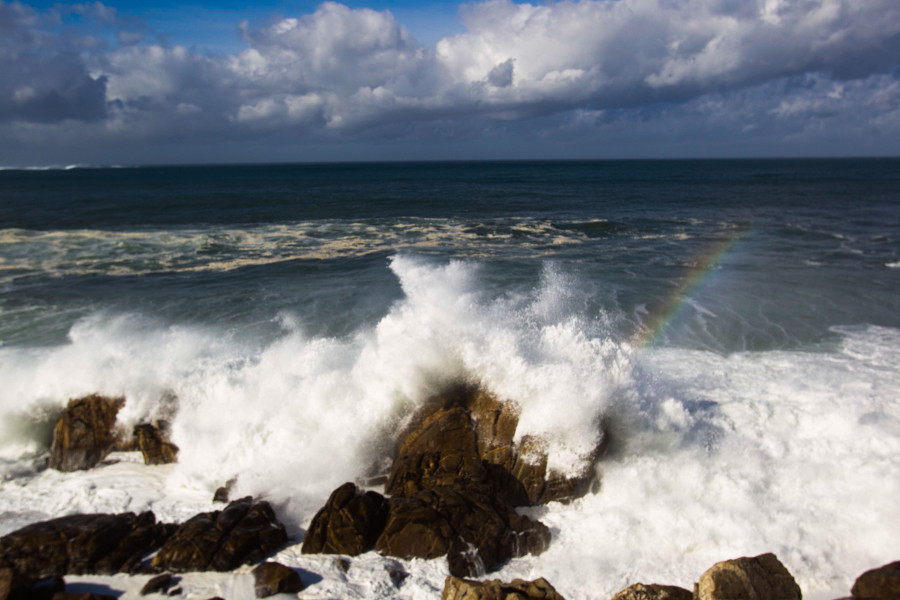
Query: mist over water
[[736, 327]]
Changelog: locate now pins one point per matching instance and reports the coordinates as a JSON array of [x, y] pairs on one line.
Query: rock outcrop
[[758, 578], [465, 437], [102, 544], [882, 583], [241, 533], [654, 591], [349, 523], [457, 476], [81, 544], [272, 578], [476, 530], [85, 433], [153, 442], [518, 589]]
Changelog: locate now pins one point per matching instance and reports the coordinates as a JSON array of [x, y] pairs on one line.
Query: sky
[[283, 81]]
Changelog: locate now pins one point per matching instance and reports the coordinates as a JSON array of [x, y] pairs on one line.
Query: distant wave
[[62, 167]]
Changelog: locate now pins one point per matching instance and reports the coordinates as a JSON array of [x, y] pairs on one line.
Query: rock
[[440, 452], [7, 581], [242, 533], [882, 583], [477, 532], [464, 437], [85, 433], [84, 596], [518, 589], [223, 493], [154, 444], [349, 523], [654, 591], [81, 544], [759, 578], [157, 585], [274, 578]]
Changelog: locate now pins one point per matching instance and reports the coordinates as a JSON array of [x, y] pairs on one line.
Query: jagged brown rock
[[272, 578], [85, 433], [475, 530], [80, 544], [456, 588], [882, 583], [761, 577], [464, 437], [242, 533], [349, 523], [153, 442], [654, 591]]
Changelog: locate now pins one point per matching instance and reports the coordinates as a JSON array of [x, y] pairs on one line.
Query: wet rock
[[759, 578], [477, 532], [464, 438], [654, 591], [157, 585], [274, 578], [440, 452], [81, 544], [242, 533], [349, 523], [85, 433], [882, 583], [518, 589], [7, 577], [223, 494], [154, 444]]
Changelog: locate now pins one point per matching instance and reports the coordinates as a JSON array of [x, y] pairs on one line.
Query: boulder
[[154, 444], [882, 583], [475, 530], [518, 589], [81, 544], [7, 581], [158, 585], [272, 578], [241, 533], [349, 523], [654, 591], [758, 578], [464, 437], [440, 451], [85, 433]]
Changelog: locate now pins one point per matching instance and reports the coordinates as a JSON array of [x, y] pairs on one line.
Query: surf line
[[702, 267]]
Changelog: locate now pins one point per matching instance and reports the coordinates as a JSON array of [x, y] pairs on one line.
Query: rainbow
[[703, 266]]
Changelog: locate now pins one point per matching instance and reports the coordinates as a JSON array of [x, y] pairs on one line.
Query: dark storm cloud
[[761, 71], [43, 80]]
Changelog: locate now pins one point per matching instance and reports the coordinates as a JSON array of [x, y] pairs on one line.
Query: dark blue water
[[779, 251]]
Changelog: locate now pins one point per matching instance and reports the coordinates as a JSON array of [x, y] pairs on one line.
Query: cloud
[[358, 74]]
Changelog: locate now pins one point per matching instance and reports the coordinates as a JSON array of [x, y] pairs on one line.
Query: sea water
[[734, 324]]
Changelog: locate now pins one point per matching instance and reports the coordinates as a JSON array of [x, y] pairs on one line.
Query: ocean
[[736, 322]]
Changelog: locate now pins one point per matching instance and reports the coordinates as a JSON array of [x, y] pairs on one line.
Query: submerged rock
[[85, 433], [272, 578], [654, 591], [242, 533], [154, 444], [758, 578], [882, 583], [349, 523], [518, 589]]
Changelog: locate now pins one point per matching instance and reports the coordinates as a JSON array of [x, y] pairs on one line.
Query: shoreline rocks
[[85, 433], [103, 544]]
